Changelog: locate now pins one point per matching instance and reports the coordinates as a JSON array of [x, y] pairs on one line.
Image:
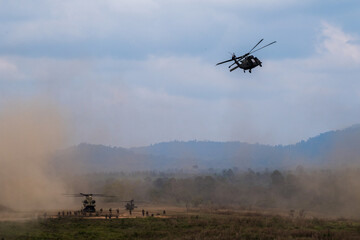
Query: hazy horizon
[[225, 141]]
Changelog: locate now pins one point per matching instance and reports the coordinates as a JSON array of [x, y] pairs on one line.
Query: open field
[[194, 224]]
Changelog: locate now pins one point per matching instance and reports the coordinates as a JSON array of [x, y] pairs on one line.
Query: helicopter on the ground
[[246, 61], [89, 202], [130, 205]]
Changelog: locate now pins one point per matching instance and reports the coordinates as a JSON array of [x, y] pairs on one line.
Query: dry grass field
[[179, 223]]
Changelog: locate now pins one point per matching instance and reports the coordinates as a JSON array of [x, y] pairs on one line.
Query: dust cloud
[[31, 131]]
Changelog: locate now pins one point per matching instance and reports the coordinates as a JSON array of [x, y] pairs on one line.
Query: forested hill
[[335, 147]]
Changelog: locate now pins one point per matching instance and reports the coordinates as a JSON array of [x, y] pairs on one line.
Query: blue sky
[[131, 73]]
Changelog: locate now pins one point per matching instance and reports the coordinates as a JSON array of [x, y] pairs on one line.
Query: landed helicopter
[[246, 61], [130, 205], [89, 202]]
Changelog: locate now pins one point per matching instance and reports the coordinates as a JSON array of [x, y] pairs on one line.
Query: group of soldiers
[[69, 213], [100, 213], [147, 213]]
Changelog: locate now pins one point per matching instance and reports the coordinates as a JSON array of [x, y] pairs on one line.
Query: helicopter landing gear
[[244, 70], [250, 71]]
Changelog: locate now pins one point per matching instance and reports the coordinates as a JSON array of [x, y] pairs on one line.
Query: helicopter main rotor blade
[[72, 195], [224, 62], [243, 56], [86, 195], [101, 195], [256, 45], [263, 47]]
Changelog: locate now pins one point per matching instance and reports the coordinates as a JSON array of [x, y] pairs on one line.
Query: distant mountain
[[89, 158], [335, 147]]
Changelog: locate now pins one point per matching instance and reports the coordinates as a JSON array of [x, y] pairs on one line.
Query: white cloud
[[145, 26], [159, 98], [338, 45], [6, 66], [8, 70]]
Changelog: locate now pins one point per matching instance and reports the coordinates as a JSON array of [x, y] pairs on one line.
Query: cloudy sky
[[132, 73]]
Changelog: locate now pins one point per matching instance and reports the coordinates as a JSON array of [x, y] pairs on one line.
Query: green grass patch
[[200, 226]]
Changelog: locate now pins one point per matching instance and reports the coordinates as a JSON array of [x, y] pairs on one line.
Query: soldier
[[117, 211], [147, 213], [164, 212], [101, 210], [292, 213], [143, 212]]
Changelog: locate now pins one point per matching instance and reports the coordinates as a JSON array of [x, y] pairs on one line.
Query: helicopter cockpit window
[[253, 60]]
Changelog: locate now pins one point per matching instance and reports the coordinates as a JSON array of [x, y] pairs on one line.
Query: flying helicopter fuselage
[[246, 61], [249, 63]]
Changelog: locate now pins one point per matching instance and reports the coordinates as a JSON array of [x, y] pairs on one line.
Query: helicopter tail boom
[[234, 68]]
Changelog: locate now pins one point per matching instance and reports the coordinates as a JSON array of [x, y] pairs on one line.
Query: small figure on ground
[[292, 213]]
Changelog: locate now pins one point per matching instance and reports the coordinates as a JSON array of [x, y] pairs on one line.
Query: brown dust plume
[[30, 133]]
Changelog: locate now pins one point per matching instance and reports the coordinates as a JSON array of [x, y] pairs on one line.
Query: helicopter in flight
[[246, 61]]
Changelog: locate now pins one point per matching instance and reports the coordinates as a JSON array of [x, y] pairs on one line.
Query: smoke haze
[[30, 133]]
